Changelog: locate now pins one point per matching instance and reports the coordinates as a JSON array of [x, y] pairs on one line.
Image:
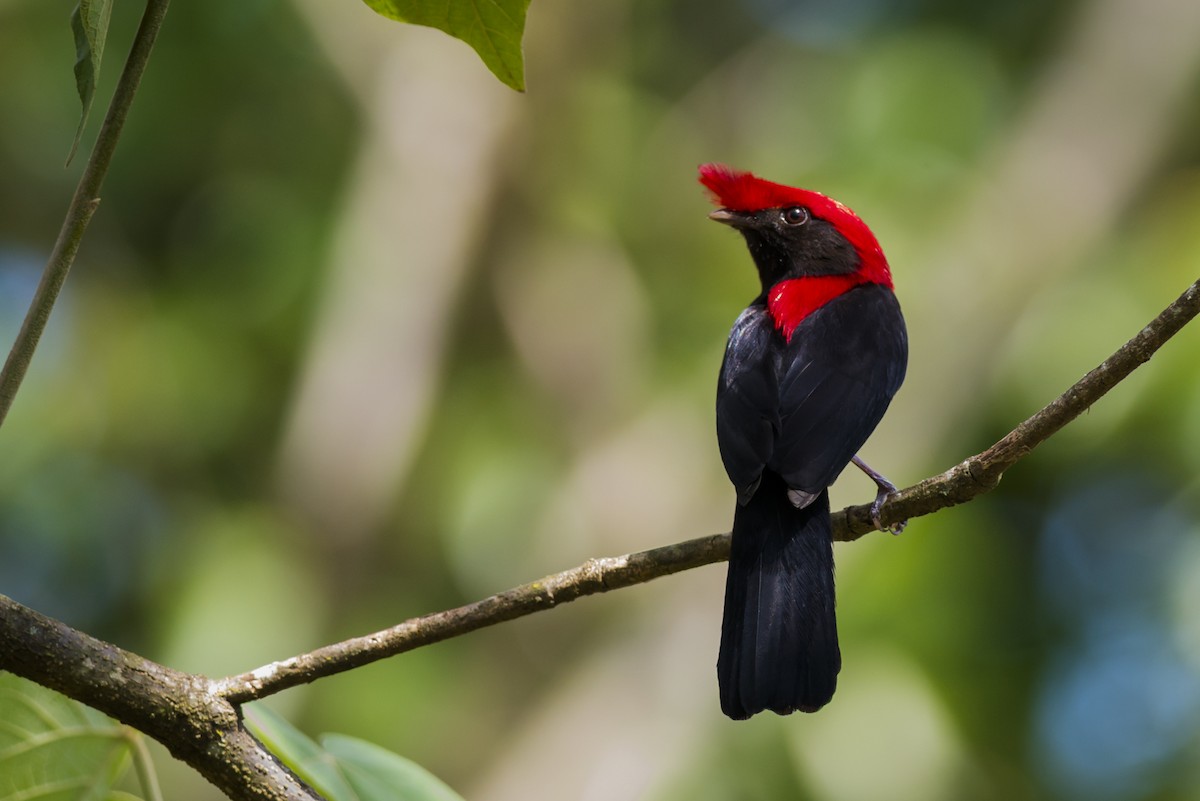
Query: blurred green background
[[359, 334]]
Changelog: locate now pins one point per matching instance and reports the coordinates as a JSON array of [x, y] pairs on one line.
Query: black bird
[[810, 368]]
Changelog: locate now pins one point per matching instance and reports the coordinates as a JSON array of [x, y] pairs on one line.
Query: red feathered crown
[[744, 191]]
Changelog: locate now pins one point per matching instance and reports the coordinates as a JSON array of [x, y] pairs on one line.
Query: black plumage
[[800, 391]]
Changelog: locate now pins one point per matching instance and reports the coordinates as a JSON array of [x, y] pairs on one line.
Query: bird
[[810, 367]]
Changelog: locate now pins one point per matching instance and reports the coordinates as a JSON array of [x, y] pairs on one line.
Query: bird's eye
[[795, 215]]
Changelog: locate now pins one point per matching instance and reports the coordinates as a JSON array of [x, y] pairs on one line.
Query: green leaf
[[493, 27], [89, 24], [55, 749], [377, 774], [346, 768], [298, 752]]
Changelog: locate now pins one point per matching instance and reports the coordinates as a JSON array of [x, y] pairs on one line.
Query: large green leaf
[[55, 749], [89, 24], [345, 768], [493, 27]]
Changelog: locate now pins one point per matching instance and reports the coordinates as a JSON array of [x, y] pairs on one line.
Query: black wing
[[748, 399], [837, 376]]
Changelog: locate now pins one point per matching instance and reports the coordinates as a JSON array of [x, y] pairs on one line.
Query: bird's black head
[[794, 233], [789, 242]]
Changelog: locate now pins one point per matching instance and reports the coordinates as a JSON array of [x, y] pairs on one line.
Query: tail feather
[[779, 646]]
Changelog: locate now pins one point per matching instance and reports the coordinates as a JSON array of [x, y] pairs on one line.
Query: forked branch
[[199, 720]]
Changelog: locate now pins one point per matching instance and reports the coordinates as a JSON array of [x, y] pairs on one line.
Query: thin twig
[[83, 206], [177, 709], [593, 576], [982, 472], [961, 483]]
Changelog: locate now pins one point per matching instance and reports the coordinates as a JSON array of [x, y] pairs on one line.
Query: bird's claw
[[886, 490], [877, 507]]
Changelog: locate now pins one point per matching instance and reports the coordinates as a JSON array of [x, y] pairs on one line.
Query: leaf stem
[[83, 206], [144, 765]]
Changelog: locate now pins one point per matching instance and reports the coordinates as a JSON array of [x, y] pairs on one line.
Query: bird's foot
[[877, 507], [886, 490]]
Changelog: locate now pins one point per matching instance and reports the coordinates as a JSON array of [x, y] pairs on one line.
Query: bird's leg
[[886, 488]]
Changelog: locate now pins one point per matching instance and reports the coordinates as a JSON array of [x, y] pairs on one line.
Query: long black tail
[[779, 645]]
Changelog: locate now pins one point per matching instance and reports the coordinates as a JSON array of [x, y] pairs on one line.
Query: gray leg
[[886, 488]]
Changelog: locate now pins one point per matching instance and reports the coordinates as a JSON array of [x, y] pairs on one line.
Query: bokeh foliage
[[178, 475]]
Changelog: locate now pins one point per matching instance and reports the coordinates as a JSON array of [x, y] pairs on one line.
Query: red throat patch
[[744, 191], [789, 302]]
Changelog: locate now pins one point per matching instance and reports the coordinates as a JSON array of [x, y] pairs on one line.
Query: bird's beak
[[724, 216]]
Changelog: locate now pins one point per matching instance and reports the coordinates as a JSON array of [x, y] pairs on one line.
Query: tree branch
[[199, 720], [982, 472], [593, 576], [961, 483], [180, 710], [83, 205]]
